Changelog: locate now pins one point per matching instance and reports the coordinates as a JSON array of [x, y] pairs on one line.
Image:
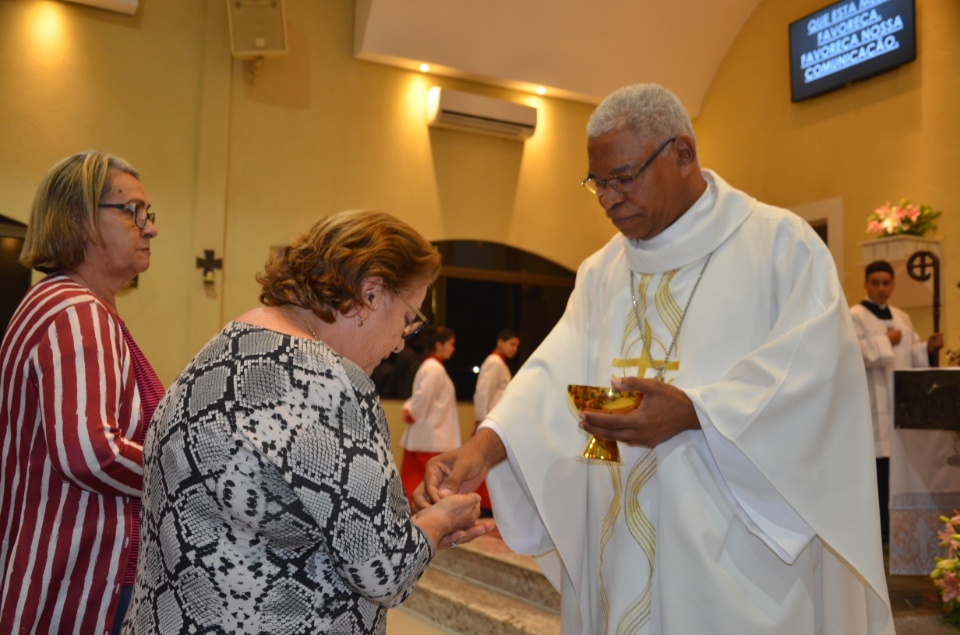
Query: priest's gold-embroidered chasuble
[[762, 521], [637, 346], [627, 529]]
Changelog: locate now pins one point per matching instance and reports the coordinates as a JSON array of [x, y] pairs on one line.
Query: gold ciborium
[[602, 399]]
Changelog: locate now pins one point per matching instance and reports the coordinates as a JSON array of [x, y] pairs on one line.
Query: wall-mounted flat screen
[[848, 41]]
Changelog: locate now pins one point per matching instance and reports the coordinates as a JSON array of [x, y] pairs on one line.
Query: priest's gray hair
[[651, 110]]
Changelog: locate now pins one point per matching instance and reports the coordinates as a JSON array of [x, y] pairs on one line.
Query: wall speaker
[[257, 28]]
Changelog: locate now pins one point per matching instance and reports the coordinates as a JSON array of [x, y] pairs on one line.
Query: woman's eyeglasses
[[416, 325], [141, 213]]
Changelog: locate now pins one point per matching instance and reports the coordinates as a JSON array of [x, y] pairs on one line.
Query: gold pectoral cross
[[644, 362]]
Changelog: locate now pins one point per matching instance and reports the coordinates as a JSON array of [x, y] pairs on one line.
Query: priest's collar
[[699, 231]]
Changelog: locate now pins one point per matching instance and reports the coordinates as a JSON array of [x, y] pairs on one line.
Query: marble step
[[470, 608], [489, 561], [484, 588]]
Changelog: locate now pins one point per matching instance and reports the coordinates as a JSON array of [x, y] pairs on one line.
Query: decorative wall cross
[[209, 264]]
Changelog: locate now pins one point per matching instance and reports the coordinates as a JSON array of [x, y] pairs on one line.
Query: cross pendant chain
[[661, 368]]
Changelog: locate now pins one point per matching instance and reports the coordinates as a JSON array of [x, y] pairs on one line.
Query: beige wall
[[319, 131], [74, 78], [895, 135], [237, 166]]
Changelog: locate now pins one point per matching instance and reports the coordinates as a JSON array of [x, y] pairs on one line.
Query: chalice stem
[[602, 450]]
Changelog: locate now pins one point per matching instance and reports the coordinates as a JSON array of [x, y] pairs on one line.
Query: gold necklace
[[292, 311], [662, 368]]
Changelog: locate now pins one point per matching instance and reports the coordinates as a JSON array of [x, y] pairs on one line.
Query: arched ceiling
[[576, 49]]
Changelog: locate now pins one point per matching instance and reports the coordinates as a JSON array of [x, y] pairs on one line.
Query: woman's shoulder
[[252, 350], [55, 297], [307, 356], [304, 366], [255, 357], [61, 287]]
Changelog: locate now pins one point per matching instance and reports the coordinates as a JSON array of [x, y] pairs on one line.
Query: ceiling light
[[424, 68], [541, 90]]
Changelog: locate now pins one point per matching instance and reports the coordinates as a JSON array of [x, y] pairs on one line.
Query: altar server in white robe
[[433, 425], [888, 342], [491, 382], [495, 374], [744, 502]]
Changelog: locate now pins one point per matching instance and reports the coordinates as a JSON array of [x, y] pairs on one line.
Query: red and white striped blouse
[[69, 468]]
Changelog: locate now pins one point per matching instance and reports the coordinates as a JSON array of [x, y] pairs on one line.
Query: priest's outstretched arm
[[461, 470]]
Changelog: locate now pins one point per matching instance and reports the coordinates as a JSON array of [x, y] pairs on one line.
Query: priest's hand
[[664, 412], [459, 471], [935, 342]]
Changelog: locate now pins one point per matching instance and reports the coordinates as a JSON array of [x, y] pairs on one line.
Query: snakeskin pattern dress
[[272, 502]]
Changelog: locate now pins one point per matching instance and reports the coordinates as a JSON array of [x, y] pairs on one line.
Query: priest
[[744, 499]]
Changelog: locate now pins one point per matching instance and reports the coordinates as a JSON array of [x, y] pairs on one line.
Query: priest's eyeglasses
[[141, 213], [625, 182], [416, 325]]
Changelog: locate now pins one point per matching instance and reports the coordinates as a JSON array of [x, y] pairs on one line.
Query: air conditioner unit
[[477, 113], [120, 6]]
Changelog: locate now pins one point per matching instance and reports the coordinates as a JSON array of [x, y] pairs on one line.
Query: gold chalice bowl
[[602, 399]]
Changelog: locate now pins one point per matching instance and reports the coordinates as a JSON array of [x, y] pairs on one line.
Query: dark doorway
[[483, 288], [14, 277], [820, 226], [477, 309]]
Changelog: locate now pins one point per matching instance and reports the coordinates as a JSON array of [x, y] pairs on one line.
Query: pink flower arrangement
[[953, 357], [945, 575], [902, 219]]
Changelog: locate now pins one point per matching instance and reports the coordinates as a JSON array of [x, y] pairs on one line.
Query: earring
[[359, 321]]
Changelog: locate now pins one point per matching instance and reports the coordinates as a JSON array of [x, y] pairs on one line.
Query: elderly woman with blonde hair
[[76, 394], [272, 501]]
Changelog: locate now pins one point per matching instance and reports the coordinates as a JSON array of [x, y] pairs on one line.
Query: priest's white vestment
[[765, 520]]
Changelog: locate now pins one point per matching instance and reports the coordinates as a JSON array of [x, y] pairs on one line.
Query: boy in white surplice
[[888, 342]]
